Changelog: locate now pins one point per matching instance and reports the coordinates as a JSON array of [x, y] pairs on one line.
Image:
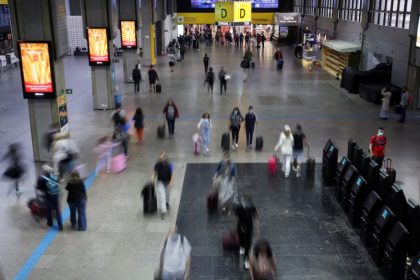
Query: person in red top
[[377, 146], [278, 57]]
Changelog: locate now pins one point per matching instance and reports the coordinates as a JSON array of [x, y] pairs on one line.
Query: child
[[197, 143], [103, 151]]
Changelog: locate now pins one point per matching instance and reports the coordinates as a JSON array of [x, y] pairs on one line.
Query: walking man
[[223, 80], [250, 122], [164, 178], [206, 61], [136, 76], [278, 56], [377, 146]]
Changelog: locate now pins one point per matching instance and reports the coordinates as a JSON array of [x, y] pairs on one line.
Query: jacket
[[77, 191], [165, 110], [285, 144]]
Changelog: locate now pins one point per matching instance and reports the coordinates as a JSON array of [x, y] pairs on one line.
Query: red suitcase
[[272, 165]]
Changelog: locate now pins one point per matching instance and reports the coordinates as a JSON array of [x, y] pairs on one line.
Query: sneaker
[[242, 250], [108, 171], [236, 145], [162, 216], [298, 175], [207, 151], [233, 146], [251, 147], [18, 193], [246, 264]]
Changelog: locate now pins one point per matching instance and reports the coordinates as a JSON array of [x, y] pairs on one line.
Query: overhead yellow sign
[[242, 11], [263, 18], [223, 12], [195, 18], [3, 2]]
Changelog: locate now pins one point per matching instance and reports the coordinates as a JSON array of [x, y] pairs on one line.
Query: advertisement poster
[[258, 4], [98, 46], [62, 113], [37, 78], [128, 34], [418, 35]]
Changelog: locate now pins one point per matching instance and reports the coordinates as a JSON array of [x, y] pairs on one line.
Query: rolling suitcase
[[391, 171], [158, 88], [225, 142], [149, 199], [230, 241], [259, 143], [310, 166], [118, 163], [161, 131], [272, 165]]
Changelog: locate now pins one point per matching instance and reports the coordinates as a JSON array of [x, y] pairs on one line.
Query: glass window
[[393, 13]]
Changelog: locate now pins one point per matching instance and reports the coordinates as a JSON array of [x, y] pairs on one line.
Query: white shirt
[[285, 144]]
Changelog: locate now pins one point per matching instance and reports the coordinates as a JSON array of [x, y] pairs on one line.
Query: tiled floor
[[122, 244], [301, 219]]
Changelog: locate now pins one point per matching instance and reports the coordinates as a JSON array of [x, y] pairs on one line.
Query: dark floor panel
[[306, 228]]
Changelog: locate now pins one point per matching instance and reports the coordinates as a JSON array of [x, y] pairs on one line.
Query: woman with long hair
[[170, 111], [262, 263], [235, 119], [205, 125], [138, 119]]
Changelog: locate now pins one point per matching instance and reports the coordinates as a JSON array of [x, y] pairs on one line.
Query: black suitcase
[[161, 131], [310, 166], [149, 199], [212, 201], [259, 143], [225, 142], [158, 88], [391, 171]]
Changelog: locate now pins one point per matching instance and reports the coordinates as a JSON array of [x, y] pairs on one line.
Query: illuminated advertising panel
[[128, 34], [258, 4], [36, 68], [418, 35], [98, 46]]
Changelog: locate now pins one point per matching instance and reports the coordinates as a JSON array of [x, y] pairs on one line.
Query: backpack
[[116, 118]]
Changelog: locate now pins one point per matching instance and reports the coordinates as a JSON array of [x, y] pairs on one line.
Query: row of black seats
[[389, 224]]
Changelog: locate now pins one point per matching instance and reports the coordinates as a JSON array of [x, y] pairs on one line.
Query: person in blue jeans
[[48, 184], [77, 199], [205, 125]]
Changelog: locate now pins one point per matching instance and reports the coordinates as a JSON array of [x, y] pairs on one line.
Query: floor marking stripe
[[32, 261]]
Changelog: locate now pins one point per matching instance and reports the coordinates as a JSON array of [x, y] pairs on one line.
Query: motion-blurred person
[[261, 261], [247, 215], [224, 182], [206, 61], [153, 77], [103, 152], [138, 119], [16, 168], [235, 119], [170, 112], [210, 80], [248, 54], [175, 257], [136, 76], [241, 39], [377, 146], [245, 65], [164, 178], [386, 98], [285, 144], [118, 115], [205, 125], [77, 199], [121, 135], [263, 39], [299, 141], [172, 60], [223, 80], [250, 122], [65, 153], [48, 184]]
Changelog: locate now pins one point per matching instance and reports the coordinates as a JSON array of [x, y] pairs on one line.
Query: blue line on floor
[[32, 261]]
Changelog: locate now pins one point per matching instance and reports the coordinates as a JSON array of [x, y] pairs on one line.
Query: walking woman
[[384, 114], [170, 111], [138, 119], [77, 199], [205, 125], [285, 144], [235, 119]]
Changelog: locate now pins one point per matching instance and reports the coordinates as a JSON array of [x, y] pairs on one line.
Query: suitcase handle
[[309, 150], [388, 163]]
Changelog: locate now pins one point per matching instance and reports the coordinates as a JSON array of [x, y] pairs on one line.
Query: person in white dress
[[285, 144], [386, 93]]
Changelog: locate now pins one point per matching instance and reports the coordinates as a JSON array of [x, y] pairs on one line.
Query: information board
[[98, 46], [128, 34]]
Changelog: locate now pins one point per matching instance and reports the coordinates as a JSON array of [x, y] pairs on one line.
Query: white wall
[[349, 31], [392, 42], [325, 26]]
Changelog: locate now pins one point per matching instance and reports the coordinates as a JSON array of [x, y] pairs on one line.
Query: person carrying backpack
[[153, 77], [377, 146], [170, 111], [278, 57]]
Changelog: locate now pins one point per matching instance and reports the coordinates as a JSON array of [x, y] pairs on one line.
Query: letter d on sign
[[242, 13], [224, 13]]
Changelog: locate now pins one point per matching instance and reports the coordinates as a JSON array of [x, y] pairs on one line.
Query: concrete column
[[148, 32], [40, 20], [102, 13]]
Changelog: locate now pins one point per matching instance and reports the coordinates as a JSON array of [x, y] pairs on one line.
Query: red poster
[[128, 34], [98, 46]]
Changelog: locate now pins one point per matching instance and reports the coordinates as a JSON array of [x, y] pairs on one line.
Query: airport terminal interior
[[345, 72]]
